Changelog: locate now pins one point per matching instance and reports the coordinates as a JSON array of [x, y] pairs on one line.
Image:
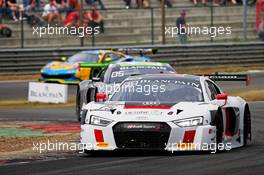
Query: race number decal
[[117, 74]]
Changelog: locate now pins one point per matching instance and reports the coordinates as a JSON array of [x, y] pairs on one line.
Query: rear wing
[[141, 52], [96, 68], [93, 65], [228, 77]]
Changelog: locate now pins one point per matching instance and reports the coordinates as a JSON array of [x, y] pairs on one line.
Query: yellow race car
[[68, 70]]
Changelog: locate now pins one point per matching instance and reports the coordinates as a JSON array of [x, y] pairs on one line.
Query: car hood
[[58, 67], [147, 111]]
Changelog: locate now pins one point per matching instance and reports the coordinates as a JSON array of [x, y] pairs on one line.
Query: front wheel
[[78, 105], [247, 126]]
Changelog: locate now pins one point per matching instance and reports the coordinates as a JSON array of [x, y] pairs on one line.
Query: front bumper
[[56, 79], [61, 81], [157, 136]]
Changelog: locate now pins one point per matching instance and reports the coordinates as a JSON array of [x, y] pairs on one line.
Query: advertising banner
[[47, 92]]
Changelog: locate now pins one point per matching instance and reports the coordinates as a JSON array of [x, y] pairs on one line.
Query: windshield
[[83, 57], [118, 75], [160, 90]]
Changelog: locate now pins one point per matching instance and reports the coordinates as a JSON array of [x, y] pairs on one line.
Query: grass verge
[[22, 147]]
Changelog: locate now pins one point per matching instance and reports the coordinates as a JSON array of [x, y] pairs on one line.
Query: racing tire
[[246, 126], [219, 127], [91, 152], [78, 105], [92, 94], [88, 151]]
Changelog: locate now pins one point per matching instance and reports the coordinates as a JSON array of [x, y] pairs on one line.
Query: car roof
[[169, 76], [128, 64], [94, 51]]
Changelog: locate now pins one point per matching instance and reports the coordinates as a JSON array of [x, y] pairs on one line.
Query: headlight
[[99, 121], [195, 121]]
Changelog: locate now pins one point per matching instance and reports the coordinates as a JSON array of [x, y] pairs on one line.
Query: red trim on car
[[99, 135], [189, 136]]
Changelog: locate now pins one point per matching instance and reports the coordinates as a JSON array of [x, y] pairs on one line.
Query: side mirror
[[221, 97], [101, 96], [108, 59], [63, 58], [96, 79]]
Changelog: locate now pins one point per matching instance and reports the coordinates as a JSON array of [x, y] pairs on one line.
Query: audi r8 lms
[[110, 78], [69, 72], [170, 112]]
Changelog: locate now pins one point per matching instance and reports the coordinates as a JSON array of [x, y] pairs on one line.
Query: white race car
[[170, 112]]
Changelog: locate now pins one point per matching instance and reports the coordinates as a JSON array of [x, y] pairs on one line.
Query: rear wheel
[[219, 127], [92, 94], [247, 126], [78, 105]]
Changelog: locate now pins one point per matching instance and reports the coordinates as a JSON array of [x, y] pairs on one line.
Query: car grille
[[141, 135]]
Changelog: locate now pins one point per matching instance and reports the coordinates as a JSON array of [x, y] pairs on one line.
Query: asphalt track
[[39, 114], [18, 90], [242, 161]]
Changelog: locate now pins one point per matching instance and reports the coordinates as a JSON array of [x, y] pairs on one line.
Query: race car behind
[[67, 71], [109, 79]]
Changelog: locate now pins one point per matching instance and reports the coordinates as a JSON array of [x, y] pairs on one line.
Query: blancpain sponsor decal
[[47, 92], [144, 67], [179, 82]]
